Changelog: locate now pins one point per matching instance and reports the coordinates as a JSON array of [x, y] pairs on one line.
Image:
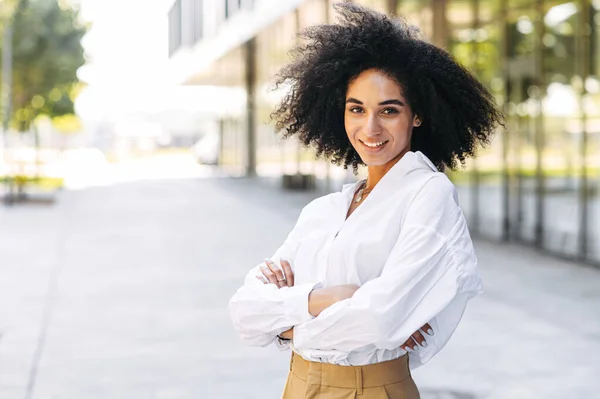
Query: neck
[[376, 173]]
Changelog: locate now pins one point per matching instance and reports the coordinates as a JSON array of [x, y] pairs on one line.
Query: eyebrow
[[386, 102]]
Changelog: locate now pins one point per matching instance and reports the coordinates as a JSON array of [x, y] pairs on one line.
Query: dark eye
[[389, 111], [356, 110]]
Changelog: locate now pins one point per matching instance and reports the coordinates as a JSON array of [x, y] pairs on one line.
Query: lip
[[376, 149]]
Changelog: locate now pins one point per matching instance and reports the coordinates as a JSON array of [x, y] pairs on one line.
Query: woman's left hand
[[412, 342]]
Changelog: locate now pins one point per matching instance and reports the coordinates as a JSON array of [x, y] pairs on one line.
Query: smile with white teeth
[[374, 145]]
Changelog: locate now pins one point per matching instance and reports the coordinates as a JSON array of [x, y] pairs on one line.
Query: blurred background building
[[538, 183]]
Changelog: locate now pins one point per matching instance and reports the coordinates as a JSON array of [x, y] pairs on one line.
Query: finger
[[427, 329], [289, 273], [262, 279], [419, 338], [269, 274], [413, 344], [277, 272], [407, 348], [410, 345]]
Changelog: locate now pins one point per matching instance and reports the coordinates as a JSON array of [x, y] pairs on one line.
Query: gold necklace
[[361, 192]]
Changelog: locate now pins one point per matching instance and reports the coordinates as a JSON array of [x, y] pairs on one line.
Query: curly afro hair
[[458, 113]]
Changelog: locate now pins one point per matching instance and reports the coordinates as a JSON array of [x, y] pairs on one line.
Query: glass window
[[276, 156], [523, 96], [231, 7], [561, 160], [489, 194], [229, 72], [477, 46], [313, 12], [175, 36], [460, 43], [273, 45], [198, 20], [591, 109]]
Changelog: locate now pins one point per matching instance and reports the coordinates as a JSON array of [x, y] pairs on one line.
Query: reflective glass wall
[[230, 72], [538, 182], [590, 125]]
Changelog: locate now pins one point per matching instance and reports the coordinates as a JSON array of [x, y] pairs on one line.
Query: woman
[[372, 280]]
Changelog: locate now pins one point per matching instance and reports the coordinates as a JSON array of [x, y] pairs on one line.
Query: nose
[[373, 126]]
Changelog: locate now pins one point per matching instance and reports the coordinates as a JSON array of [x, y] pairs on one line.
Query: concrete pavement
[[121, 292]]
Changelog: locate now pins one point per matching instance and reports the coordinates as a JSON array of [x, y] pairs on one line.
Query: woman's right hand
[[281, 277]]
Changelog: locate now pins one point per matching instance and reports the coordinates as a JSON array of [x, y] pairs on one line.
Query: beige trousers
[[386, 380]]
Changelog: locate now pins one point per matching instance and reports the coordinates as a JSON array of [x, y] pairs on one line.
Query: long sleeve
[[261, 311], [429, 275]]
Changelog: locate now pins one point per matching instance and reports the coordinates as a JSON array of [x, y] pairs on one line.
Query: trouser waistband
[[355, 377]]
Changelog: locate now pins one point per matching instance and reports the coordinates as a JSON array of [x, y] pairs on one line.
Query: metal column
[[250, 58]]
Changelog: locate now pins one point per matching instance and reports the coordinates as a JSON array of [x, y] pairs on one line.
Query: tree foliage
[[47, 52], [7, 10]]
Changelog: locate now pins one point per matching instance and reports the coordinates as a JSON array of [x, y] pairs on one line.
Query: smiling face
[[378, 119]]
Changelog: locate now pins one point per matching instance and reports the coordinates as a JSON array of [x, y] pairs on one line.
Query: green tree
[[47, 52], [7, 11]]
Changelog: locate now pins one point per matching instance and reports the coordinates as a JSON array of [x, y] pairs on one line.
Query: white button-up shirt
[[407, 247]]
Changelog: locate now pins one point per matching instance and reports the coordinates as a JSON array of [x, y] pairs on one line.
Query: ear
[[416, 121]]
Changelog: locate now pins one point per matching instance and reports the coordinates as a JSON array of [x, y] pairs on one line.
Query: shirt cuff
[[304, 334], [282, 344], [296, 301]]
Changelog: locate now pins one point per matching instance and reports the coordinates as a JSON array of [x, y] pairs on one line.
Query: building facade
[[539, 181]]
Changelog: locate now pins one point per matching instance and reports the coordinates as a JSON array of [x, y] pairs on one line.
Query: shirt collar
[[410, 161], [426, 160]]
